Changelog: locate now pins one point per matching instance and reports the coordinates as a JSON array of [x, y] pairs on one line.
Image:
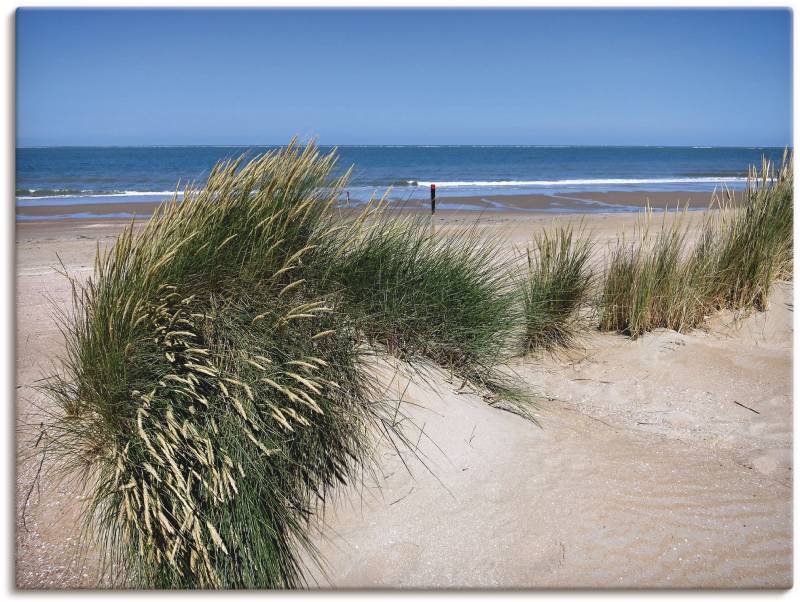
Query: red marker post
[[433, 199]]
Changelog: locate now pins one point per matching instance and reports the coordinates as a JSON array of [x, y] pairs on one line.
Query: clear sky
[[660, 77]]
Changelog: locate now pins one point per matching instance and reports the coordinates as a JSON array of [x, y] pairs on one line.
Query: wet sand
[[583, 202], [661, 462], [579, 202]]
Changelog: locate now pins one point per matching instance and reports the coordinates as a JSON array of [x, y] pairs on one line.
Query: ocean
[[64, 176]]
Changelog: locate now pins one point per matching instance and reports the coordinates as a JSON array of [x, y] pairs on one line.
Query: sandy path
[[579, 502], [728, 387], [698, 494]]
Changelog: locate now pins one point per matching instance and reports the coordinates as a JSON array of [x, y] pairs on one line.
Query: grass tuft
[[557, 284], [442, 296], [661, 281], [213, 387], [209, 394], [746, 249], [649, 283]]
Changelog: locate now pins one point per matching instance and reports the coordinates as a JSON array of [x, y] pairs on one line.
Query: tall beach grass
[[557, 283], [441, 296], [662, 280], [746, 249], [212, 391], [209, 396], [650, 283]]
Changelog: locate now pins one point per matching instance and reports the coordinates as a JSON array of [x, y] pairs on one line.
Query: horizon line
[[254, 145]]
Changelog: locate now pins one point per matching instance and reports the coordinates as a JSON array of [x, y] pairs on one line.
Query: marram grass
[[662, 281], [555, 287], [649, 283], [746, 249], [212, 390], [443, 296], [208, 393]]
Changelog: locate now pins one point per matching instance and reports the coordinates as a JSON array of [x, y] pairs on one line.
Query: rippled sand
[[578, 502]]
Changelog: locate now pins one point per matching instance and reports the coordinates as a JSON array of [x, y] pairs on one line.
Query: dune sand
[[662, 462]]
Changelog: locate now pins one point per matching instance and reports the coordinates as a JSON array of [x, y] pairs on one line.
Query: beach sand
[[660, 462]]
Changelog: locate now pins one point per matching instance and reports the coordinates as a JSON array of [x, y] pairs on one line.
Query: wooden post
[[433, 199]]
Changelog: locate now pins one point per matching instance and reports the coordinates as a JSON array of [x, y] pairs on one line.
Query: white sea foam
[[581, 182], [92, 195], [82, 215]]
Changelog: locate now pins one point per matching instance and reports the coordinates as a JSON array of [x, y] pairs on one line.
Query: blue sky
[[662, 77]]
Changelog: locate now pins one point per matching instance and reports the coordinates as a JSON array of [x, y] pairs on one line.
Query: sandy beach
[[661, 462]]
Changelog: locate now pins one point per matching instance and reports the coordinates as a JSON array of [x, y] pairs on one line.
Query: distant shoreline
[[554, 203]]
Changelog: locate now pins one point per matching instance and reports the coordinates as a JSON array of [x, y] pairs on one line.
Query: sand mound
[[491, 500]]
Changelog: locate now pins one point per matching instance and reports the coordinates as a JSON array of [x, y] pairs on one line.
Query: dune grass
[[662, 281], [649, 282], [208, 393], [746, 249], [445, 297], [212, 389], [558, 282]]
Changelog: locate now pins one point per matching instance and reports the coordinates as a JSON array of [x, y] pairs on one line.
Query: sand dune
[[582, 501], [644, 470]]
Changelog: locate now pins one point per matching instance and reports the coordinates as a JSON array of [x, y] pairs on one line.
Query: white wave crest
[[582, 182], [91, 195]]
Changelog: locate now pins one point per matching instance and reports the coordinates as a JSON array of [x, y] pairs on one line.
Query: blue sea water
[[63, 176]]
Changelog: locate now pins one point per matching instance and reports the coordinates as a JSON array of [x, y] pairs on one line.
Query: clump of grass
[[442, 296], [746, 249], [212, 389], [557, 284], [649, 283], [661, 282], [209, 394]]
